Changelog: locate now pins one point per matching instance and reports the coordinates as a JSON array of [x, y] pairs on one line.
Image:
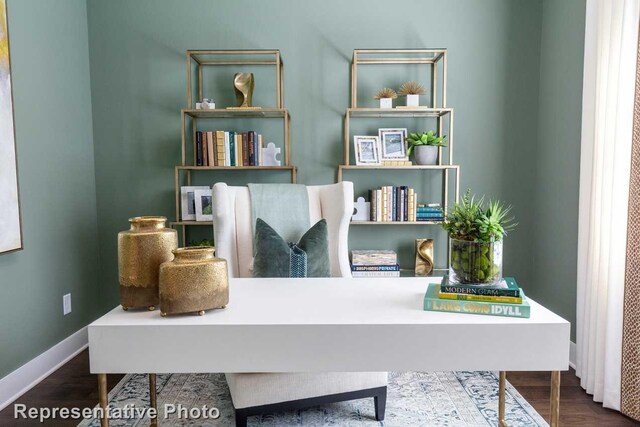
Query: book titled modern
[[433, 303]]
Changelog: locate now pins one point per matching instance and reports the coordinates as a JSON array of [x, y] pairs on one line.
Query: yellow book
[[480, 298], [220, 147]]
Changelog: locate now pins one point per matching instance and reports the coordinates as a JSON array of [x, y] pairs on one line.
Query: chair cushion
[[249, 390], [274, 257]]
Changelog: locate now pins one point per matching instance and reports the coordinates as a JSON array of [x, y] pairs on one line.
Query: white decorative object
[[413, 100], [188, 198], [204, 207], [206, 104], [269, 155], [386, 102], [362, 210]]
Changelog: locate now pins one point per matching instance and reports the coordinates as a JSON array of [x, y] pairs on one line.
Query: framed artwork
[[188, 201], [392, 144], [366, 150], [10, 223], [204, 205]]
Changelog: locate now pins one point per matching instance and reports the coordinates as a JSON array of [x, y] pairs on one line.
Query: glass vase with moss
[[477, 229]]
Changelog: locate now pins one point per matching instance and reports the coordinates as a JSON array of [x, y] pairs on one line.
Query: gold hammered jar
[[141, 250], [194, 281]]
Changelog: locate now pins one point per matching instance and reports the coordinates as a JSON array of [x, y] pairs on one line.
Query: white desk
[[334, 325]]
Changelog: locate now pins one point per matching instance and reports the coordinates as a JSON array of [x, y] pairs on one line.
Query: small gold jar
[[141, 250], [194, 281]]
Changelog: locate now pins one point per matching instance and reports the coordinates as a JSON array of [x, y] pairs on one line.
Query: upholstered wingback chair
[[271, 392]]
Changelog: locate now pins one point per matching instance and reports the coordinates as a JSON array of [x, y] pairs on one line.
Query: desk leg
[[554, 419], [152, 399], [501, 403], [104, 399]]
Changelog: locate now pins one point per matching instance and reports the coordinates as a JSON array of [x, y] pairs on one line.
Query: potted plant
[[412, 90], [476, 229], [424, 146], [386, 97]]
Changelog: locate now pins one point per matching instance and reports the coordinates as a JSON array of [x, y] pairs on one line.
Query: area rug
[[451, 399]]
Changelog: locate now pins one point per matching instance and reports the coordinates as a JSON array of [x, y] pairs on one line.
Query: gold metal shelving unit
[[436, 62], [197, 60]]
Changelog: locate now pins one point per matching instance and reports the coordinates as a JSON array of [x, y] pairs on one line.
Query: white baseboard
[[31, 373], [572, 355]]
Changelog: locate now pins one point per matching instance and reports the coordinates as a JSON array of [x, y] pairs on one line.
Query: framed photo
[[10, 221], [392, 144], [366, 150], [204, 205], [188, 201]]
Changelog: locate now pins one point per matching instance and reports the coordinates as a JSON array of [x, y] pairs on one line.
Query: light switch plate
[[66, 304]]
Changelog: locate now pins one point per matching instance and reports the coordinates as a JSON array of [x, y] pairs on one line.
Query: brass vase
[[193, 282], [141, 250]]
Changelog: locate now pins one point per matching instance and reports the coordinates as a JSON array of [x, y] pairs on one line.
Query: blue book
[[232, 147]]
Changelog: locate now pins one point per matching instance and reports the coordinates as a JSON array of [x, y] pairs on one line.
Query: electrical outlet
[[66, 304]]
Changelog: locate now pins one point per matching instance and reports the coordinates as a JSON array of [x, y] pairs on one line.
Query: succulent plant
[[411, 88], [386, 92], [475, 220], [424, 138]]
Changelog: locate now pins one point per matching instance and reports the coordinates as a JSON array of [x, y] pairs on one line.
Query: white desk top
[[293, 325]]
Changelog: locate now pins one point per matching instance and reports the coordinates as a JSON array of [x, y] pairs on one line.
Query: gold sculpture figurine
[[243, 84], [424, 257]]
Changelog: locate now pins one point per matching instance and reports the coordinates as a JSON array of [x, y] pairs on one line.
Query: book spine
[[240, 155], [227, 149], [411, 216], [375, 274], [378, 204], [205, 149], [260, 147], [476, 290], [394, 200], [383, 209], [232, 148], [472, 307], [220, 147], [405, 201], [245, 148], [480, 298], [390, 203], [210, 148], [375, 267], [372, 205], [415, 204], [198, 148], [429, 214]]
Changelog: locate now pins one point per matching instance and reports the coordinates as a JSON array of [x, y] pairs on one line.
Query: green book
[[433, 303]]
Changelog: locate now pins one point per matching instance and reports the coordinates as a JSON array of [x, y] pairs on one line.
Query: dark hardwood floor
[[73, 386]]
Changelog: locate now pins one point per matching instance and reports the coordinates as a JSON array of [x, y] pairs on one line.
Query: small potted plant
[[424, 146], [412, 90], [476, 229], [386, 97]]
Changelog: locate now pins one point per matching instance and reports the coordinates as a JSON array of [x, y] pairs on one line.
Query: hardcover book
[[357, 267], [374, 257], [433, 303], [506, 288], [375, 274], [198, 148]]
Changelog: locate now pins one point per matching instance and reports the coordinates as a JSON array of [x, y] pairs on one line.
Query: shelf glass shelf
[[396, 222], [222, 113], [398, 112], [412, 167], [236, 168]]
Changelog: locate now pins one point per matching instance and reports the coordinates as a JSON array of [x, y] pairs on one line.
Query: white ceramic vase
[[413, 100], [386, 103]]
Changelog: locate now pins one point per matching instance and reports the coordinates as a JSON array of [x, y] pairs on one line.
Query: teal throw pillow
[[274, 257]]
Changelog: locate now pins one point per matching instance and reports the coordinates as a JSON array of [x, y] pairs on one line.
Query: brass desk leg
[[152, 399], [103, 398], [554, 420], [501, 403]]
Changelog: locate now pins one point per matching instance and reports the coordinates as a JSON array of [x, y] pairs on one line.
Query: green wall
[[558, 156], [50, 63], [515, 72]]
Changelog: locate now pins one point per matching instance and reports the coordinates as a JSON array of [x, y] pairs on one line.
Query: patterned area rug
[[451, 399]]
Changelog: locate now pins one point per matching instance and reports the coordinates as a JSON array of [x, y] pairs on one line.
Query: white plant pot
[[386, 103], [425, 154], [413, 100]]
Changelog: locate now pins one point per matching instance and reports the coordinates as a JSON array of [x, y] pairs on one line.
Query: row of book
[[502, 299], [374, 263], [389, 203], [222, 148]]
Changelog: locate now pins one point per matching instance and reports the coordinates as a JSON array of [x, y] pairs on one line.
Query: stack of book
[[393, 204], [374, 263], [222, 148], [430, 212], [502, 299]]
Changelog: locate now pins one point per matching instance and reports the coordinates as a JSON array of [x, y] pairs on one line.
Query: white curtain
[[611, 41]]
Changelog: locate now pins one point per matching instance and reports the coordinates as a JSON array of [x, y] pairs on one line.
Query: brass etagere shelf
[[197, 60], [436, 60]]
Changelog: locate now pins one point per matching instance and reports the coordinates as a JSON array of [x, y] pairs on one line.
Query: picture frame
[[392, 143], [367, 150], [188, 201], [11, 238], [204, 205]]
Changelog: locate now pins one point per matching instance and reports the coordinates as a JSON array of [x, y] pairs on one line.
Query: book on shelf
[[400, 204], [356, 267], [211, 148], [479, 298], [226, 148], [205, 152], [375, 274], [374, 257], [507, 287], [433, 303], [245, 148], [198, 148], [220, 148]]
